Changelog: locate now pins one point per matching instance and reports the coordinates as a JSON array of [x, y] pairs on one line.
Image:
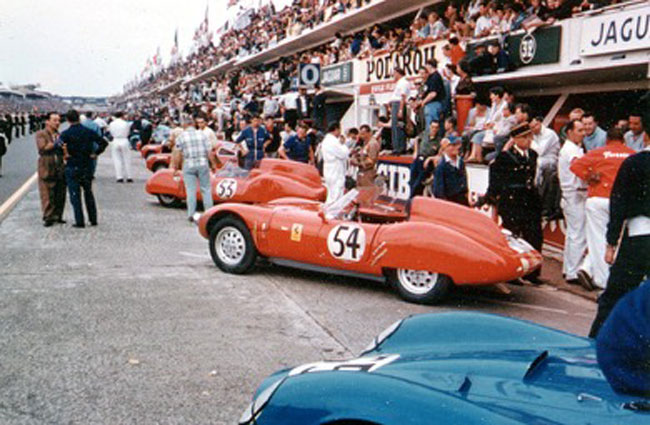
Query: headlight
[[258, 404], [382, 336], [517, 244]]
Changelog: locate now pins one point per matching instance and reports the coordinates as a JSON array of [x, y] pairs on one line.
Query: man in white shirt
[[289, 103], [335, 158], [120, 129], [483, 23], [634, 138], [101, 122], [397, 105], [574, 196], [202, 126], [547, 145]]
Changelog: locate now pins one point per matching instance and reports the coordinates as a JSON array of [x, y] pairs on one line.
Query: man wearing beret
[[512, 190], [628, 231]]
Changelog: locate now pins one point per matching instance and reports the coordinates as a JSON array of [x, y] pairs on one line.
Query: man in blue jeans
[[79, 147], [194, 151]]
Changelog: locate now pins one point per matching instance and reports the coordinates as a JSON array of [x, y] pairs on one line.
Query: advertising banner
[[616, 32]]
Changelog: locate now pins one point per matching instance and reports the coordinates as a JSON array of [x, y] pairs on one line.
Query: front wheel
[[169, 201], [231, 246], [420, 287]]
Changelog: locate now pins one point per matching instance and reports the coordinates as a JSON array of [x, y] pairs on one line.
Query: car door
[[293, 234], [347, 245]]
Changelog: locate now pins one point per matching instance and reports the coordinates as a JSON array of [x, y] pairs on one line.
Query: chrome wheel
[[417, 282], [230, 245]]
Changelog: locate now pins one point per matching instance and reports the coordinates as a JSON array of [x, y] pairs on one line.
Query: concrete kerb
[[16, 197]]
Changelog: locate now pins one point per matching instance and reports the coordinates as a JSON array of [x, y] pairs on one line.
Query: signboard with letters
[[308, 74], [536, 48], [616, 32], [337, 74]]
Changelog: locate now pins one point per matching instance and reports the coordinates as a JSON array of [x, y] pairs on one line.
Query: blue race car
[[452, 368]]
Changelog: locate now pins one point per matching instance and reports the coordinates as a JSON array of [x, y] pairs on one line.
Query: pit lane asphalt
[[130, 322]]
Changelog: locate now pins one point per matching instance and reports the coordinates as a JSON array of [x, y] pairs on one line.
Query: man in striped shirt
[[193, 150]]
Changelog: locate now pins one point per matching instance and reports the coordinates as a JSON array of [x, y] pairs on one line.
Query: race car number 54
[[347, 242], [226, 188]]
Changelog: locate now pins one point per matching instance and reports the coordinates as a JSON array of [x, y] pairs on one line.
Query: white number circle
[[347, 242], [226, 188]]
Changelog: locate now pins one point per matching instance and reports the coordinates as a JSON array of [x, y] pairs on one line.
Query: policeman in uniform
[[512, 190]]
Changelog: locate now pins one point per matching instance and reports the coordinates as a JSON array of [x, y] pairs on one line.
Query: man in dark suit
[[78, 144], [512, 190], [303, 104], [51, 179]]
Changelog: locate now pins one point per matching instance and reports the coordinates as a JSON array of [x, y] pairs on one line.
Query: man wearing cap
[[598, 168], [512, 190], [450, 178], [576, 265], [629, 223]]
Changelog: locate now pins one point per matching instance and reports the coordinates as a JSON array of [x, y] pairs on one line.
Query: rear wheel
[[231, 246], [169, 201], [420, 287]]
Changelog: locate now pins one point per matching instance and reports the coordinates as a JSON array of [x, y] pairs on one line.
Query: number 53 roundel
[[347, 242]]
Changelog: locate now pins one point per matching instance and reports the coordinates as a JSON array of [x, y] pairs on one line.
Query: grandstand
[[552, 64]]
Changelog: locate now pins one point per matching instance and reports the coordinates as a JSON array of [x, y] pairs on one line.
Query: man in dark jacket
[[623, 344], [450, 178], [512, 190], [78, 145], [629, 223]]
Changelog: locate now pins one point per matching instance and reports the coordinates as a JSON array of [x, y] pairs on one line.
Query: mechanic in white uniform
[[335, 158], [574, 197], [119, 129]]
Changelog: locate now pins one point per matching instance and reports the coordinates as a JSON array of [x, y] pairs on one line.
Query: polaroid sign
[[380, 68], [616, 32]]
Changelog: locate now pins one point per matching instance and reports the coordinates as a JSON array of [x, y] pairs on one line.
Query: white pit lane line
[[534, 307], [193, 255]]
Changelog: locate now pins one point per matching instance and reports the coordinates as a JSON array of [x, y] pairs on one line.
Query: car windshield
[[363, 197], [232, 170]]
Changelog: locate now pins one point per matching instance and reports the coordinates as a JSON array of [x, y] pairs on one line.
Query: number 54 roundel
[[347, 242], [422, 248]]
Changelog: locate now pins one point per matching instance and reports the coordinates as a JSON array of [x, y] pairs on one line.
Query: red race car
[[226, 152], [423, 247], [151, 149], [158, 161], [271, 179]]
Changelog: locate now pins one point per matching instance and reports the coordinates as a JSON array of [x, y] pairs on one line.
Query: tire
[[231, 246], [169, 201], [158, 166], [420, 287]]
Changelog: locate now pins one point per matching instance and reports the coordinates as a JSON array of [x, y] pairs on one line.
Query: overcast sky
[[93, 47]]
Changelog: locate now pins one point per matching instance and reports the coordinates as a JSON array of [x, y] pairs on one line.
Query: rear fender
[[267, 187], [449, 332], [434, 248], [163, 182]]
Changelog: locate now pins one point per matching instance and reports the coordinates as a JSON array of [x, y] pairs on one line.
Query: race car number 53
[[347, 242], [226, 188]]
